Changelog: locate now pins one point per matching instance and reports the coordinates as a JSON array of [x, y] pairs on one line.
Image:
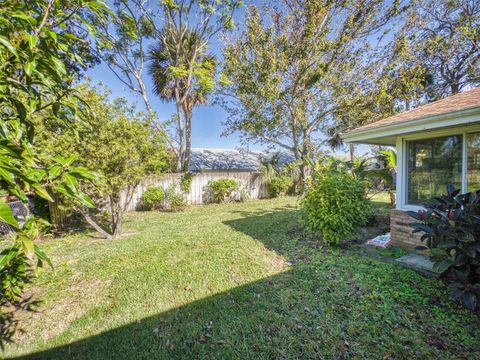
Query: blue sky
[[207, 119]]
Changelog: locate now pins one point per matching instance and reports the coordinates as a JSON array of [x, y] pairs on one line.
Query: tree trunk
[[93, 224], [181, 151], [454, 87], [188, 139], [305, 155], [117, 225], [116, 212]]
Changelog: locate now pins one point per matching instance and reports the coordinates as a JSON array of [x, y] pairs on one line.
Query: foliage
[[279, 185], [174, 200], [42, 50], [443, 39], [299, 66], [131, 27], [222, 190], [116, 142], [181, 67], [451, 230], [153, 198], [168, 199], [334, 205], [186, 182], [276, 285]]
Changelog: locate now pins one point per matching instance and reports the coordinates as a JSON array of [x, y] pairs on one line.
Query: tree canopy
[[43, 47], [117, 143], [297, 68]]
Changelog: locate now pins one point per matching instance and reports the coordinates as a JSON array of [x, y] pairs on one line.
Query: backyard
[[237, 280]]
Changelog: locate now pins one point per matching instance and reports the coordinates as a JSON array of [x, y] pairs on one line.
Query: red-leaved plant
[[451, 231]]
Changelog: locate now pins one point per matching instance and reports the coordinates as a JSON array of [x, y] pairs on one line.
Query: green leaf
[[22, 111], [6, 215], [87, 201], [42, 256], [55, 170], [71, 181], [442, 266], [470, 300], [84, 173], [30, 67], [42, 192], [9, 46], [59, 66], [27, 244], [7, 255], [32, 40]]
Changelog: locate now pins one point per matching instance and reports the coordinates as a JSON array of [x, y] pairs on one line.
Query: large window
[[432, 165]]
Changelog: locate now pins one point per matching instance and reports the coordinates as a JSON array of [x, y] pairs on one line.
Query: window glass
[[432, 165], [473, 162]]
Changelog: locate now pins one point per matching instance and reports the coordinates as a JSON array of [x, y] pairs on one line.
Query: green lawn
[[236, 281]]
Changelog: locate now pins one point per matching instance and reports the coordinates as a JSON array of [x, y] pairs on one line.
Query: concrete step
[[418, 262]]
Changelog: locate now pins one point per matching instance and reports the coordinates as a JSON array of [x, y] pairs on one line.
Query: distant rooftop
[[205, 159]]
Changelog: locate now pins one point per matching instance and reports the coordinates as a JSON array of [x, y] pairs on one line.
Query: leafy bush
[[186, 182], [174, 200], [451, 230], [222, 190], [152, 198], [169, 199], [335, 204], [279, 185]]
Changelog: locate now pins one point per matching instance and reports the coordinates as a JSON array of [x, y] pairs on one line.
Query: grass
[[235, 281]]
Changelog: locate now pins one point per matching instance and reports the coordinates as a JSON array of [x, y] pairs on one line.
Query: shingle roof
[[202, 159], [463, 101]]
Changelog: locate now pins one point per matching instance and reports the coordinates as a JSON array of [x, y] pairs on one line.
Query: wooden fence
[[252, 184]]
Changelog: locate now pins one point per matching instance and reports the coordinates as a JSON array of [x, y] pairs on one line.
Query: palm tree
[[182, 72]]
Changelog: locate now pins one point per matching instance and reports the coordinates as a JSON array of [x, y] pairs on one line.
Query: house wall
[[400, 230]]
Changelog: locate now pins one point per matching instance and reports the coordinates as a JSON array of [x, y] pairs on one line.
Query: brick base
[[401, 231]]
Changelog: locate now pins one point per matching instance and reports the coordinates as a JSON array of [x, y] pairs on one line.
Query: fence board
[[251, 183]]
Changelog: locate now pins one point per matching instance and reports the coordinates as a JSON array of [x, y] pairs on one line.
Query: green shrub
[[279, 185], [222, 190], [174, 200], [451, 230], [152, 198], [186, 182], [335, 205]]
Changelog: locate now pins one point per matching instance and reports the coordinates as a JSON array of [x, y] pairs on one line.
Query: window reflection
[[432, 165], [473, 162]]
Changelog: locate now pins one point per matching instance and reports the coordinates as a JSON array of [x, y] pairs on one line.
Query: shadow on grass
[[280, 231], [339, 307]]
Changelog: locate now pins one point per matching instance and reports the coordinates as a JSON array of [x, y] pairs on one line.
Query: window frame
[[402, 159]]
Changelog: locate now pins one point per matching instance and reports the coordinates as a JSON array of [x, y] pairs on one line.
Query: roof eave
[[376, 134]]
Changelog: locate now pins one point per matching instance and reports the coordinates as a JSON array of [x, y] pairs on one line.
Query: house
[[437, 144], [208, 160]]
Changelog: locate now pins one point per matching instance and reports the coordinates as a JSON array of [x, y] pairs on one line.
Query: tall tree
[[116, 142], [181, 68], [133, 25], [170, 80], [442, 38], [296, 67], [434, 52]]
